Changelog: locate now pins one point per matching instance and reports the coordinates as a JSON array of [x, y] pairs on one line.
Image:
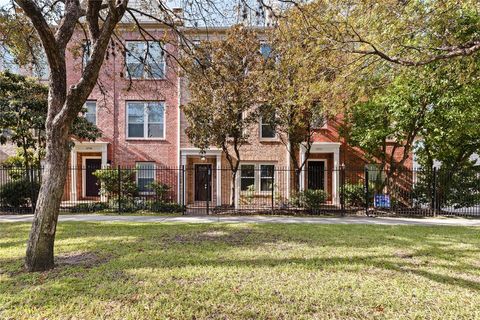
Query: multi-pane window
[[146, 120], [265, 50], [145, 176], [319, 122], [267, 127], [145, 60], [247, 176], [266, 177], [91, 112], [259, 177]]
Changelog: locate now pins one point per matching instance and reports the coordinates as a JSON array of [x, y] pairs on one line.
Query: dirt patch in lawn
[[84, 259], [230, 237]]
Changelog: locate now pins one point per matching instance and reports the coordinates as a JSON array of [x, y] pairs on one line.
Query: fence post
[[182, 190], [273, 190], [119, 189], [342, 189], [366, 192], [434, 191]]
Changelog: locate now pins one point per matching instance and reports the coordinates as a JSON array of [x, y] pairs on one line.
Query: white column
[[103, 198], [336, 177], [289, 176], [237, 189], [302, 173], [73, 173], [219, 180], [104, 156], [182, 189]]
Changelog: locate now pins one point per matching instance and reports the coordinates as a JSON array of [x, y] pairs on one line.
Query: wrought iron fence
[[253, 189]]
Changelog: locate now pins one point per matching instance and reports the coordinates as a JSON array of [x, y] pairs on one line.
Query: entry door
[[203, 182], [92, 189], [316, 175]]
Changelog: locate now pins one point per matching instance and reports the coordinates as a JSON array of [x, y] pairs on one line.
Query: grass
[[245, 271]]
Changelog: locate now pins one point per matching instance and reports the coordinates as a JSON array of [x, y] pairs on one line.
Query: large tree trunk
[[40, 244]]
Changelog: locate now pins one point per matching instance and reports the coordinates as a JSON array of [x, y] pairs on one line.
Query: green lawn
[[245, 271]]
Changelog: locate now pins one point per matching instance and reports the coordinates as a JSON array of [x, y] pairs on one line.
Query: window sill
[[146, 79], [255, 193], [146, 193], [275, 139], [145, 139]]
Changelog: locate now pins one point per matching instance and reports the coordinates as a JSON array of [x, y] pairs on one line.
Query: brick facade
[[174, 150]]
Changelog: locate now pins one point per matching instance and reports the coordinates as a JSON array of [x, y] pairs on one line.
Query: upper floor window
[[267, 127], [145, 60], [265, 50], [146, 120], [318, 121], [91, 112]]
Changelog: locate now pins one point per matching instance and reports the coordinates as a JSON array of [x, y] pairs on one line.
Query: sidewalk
[[256, 219]]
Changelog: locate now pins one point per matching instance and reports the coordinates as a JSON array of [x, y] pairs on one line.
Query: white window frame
[[145, 121], [137, 175], [323, 126], [260, 177], [254, 176], [262, 138], [257, 177], [146, 72], [96, 110]]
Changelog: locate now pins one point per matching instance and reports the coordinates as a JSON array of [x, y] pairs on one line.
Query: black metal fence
[[259, 188]]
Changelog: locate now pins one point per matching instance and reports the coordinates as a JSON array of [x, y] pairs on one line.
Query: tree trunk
[[233, 188], [40, 244], [296, 180]]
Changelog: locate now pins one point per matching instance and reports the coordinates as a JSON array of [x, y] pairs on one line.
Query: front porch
[[202, 180], [322, 169], [85, 159]]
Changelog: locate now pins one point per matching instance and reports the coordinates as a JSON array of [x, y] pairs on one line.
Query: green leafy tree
[[296, 90], [408, 33], [23, 115], [223, 87]]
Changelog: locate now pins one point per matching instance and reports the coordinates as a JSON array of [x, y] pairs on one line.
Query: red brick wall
[[115, 90]]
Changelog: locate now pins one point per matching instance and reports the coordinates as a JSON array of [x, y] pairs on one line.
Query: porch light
[[202, 157]]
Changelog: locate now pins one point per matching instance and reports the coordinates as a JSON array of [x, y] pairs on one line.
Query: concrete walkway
[[256, 219]]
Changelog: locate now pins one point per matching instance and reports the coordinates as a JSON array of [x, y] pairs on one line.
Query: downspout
[[179, 101]]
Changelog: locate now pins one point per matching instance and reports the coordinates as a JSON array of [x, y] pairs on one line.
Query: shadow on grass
[[433, 253]]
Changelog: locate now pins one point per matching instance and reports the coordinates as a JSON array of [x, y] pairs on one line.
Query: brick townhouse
[[136, 105]]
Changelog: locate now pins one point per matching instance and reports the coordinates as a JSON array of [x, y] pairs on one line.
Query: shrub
[[167, 207], [354, 194], [112, 184], [89, 207], [160, 189], [18, 193], [310, 199]]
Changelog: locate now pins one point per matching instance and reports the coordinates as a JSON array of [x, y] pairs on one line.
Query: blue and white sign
[[382, 201]]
